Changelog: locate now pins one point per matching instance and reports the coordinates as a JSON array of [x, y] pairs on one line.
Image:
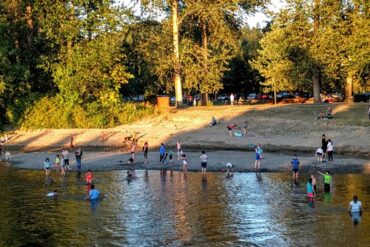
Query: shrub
[[52, 112]]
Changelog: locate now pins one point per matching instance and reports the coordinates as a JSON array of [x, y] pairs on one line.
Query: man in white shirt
[[355, 210], [232, 98]]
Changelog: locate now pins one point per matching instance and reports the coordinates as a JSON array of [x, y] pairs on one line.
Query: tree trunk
[[205, 59], [316, 73], [316, 88], [176, 55], [349, 88], [29, 22]]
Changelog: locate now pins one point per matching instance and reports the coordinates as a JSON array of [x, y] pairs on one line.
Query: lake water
[[172, 210]]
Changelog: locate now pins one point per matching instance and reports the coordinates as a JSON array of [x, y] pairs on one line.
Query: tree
[[172, 6], [343, 44], [88, 64]]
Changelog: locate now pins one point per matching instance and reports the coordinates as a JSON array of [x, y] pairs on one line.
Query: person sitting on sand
[[319, 155], [320, 116], [329, 113], [213, 121], [94, 194]]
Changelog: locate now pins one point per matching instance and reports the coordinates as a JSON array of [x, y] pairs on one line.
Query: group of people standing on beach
[[61, 162], [327, 148]]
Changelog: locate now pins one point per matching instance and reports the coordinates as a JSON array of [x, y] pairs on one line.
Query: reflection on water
[[165, 208]]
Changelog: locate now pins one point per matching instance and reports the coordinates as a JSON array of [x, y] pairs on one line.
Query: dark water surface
[[165, 210]]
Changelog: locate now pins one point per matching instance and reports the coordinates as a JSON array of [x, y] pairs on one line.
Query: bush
[[52, 112]]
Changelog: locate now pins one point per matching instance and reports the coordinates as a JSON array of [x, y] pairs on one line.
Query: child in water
[[52, 194], [184, 164], [89, 176], [57, 162], [170, 156], [47, 166]]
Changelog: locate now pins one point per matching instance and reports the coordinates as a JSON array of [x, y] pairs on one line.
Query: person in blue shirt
[[295, 164], [162, 152], [47, 167], [309, 189], [259, 151], [94, 194]]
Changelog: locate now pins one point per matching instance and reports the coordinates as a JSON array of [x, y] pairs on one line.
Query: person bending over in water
[[52, 194], [319, 155], [327, 181], [295, 164], [229, 169], [94, 194]]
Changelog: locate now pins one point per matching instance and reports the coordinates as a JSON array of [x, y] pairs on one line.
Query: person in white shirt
[[319, 154], [203, 162], [232, 98], [65, 155], [355, 206], [355, 210], [330, 150]]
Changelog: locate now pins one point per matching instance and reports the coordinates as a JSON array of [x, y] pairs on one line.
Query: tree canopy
[[86, 56]]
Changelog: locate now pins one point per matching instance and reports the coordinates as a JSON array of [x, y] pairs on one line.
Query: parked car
[[361, 97], [252, 96], [223, 98], [285, 95], [265, 96]]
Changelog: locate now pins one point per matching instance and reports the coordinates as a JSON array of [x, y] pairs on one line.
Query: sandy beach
[[278, 128], [281, 129]]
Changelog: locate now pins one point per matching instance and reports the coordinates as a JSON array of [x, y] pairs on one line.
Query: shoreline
[[339, 150], [242, 162]]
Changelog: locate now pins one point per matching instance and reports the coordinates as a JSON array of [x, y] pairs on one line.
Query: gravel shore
[[242, 162]]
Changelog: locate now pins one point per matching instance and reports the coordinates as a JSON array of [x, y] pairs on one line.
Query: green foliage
[[92, 71], [52, 112]]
